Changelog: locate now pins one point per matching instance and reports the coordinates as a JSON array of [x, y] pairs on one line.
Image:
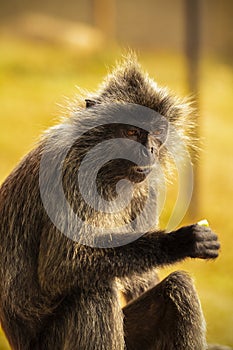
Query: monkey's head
[[130, 106]]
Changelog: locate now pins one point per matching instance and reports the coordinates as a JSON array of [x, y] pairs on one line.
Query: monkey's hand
[[197, 241]]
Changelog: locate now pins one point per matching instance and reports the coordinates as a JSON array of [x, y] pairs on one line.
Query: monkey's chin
[[143, 169], [139, 173]]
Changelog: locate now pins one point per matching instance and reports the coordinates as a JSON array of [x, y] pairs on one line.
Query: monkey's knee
[[182, 323], [179, 288], [179, 278], [184, 311], [167, 317]]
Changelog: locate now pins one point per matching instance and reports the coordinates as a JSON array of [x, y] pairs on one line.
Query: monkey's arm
[[159, 249], [68, 264]]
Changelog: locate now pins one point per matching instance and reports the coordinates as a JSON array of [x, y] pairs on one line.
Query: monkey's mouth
[[144, 170]]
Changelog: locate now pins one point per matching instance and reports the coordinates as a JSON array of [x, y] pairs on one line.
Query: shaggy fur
[[56, 293]]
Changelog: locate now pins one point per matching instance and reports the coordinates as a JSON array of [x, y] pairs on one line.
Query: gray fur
[[58, 294]]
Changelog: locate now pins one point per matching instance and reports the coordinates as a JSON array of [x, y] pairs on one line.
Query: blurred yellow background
[[46, 50]]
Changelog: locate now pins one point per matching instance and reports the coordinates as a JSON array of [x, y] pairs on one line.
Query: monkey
[[60, 278]]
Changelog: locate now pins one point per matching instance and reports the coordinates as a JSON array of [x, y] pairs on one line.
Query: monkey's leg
[[86, 321], [167, 317]]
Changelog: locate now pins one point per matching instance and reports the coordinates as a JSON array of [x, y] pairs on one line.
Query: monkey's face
[[148, 152], [140, 156]]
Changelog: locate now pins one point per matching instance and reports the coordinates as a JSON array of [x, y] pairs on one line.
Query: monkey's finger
[[209, 254], [214, 245], [205, 234], [206, 250], [203, 247]]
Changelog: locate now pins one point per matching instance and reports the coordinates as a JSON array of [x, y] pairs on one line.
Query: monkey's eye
[[131, 132]]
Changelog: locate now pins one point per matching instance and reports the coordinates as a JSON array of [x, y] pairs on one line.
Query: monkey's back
[[21, 225]]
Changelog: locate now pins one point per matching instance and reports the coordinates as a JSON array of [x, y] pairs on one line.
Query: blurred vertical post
[[192, 50], [104, 13]]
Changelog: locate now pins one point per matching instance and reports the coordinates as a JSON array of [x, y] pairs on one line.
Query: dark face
[[148, 152], [139, 157], [145, 152]]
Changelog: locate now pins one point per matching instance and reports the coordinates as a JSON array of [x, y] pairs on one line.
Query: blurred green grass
[[35, 77]]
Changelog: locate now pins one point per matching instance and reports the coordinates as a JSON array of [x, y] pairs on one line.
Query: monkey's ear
[[90, 103]]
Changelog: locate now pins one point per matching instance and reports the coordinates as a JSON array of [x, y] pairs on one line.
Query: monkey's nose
[[147, 154], [155, 152]]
